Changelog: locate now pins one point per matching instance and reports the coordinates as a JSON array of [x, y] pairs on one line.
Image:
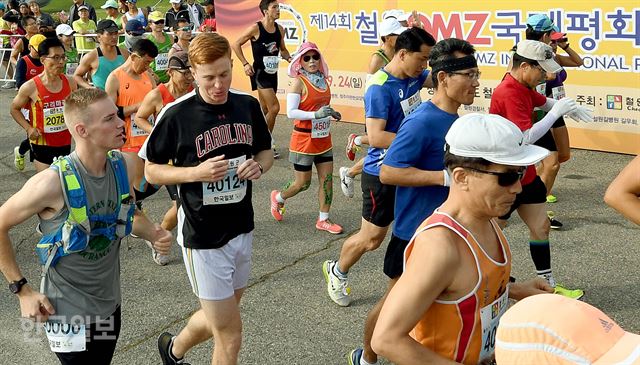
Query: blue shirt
[[420, 144], [391, 99]]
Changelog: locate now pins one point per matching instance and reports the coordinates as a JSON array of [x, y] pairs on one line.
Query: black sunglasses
[[308, 58], [504, 178]]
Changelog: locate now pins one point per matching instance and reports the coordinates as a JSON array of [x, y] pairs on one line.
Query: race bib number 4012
[[228, 190]]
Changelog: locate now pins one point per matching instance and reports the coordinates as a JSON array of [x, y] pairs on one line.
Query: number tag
[[228, 190], [135, 130], [53, 120], [542, 89], [71, 68], [162, 61], [411, 103], [64, 337], [320, 127], [490, 317], [270, 64], [558, 92]]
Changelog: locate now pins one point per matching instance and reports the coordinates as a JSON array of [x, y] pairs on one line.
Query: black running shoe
[[165, 342]]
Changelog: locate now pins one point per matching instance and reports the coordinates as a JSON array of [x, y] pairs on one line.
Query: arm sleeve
[[293, 103], [539, 128], [21, 72], [261, 135]]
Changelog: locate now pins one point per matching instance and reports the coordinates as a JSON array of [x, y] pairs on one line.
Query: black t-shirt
[[191, 131]]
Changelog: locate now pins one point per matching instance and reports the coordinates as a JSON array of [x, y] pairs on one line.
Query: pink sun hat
[[295, 65]]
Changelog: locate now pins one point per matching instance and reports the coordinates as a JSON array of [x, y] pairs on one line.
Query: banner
[[605, 34]]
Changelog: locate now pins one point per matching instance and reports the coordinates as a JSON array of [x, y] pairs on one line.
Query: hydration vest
[[74, 234]]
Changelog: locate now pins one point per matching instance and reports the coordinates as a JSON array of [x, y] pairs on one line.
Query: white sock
[[323, 216], [279, 198], [358, 141], [364, 362]]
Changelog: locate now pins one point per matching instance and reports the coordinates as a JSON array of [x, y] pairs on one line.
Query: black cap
[[179, 61], [106, 25]]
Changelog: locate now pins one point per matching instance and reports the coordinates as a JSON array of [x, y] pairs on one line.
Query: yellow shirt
[[82, 42]]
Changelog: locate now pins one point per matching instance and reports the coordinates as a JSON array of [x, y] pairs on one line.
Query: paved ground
[[288, 318]]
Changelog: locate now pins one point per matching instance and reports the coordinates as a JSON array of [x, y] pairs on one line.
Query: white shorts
[[216, 273]]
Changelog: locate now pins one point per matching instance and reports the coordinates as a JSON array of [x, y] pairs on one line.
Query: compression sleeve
[[293, 103]]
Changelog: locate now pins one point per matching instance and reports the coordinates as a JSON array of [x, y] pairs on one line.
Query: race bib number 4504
[[228, 190]]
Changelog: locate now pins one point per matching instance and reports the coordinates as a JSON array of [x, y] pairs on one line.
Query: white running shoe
[[158, 258], [346, 182], [338, 289]]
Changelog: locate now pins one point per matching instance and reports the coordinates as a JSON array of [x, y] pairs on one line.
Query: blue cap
[[541, 23], [134, 26], [2, 6]]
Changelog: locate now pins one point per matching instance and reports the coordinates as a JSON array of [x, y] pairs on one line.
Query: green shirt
[[161, 62], [85, 43]]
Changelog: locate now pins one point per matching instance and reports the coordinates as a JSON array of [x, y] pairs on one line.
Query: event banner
[[605, 34]]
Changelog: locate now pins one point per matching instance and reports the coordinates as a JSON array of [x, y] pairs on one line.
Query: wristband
[[565, 48], [120, 112], [447, 178]]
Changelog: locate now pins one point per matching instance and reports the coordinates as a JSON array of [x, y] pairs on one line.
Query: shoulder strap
[[75, 197], [99, 50], [120, 170]]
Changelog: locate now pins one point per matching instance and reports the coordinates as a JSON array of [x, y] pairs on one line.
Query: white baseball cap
[[175, 1], [396, 14], [391, 26], [540, 52], [493, 138], [64, 29]]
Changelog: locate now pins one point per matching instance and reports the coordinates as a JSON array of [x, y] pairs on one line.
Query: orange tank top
[[464, 330], [131, 92], [312, 137], [46, 115], [32, 69], [165, 94]]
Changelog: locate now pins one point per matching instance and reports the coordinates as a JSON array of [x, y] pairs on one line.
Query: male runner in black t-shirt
[[214, 157]]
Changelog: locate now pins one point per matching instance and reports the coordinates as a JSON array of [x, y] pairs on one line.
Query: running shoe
[[552, 199], [158, 258], [18, 159], [554, 223], [354, 356], [569, 293], [352, 147], [338, 289], [346, 182], [277, 209], [8, 85], [276, 154], [327, 225], [165, 342]]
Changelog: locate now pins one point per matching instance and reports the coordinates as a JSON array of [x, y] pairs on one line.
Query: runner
[[215, 157], [180, 82], [392, 93], [80, 292], [624, 191], [183, 33], [514, 98], [163, 42], [267, 41], [414, 161], [99, 63], [21, 48], [308, 104], [140, 14], [390, 29], [456, 282], [133, 32], [65, 34], [44, 95]]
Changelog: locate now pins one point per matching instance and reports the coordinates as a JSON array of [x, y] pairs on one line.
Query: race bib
[[162, 61], [53, 120], [411, 103], [542, 89], [71, 68], [228, 190], [558, 92], [320, 127], [270, 64], [489, 318], [135, 130], [64, 337]]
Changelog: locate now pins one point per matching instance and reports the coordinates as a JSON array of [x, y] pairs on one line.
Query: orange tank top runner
[[131, 92], [46, 115], [465, 329], [165, 94], [32, 69], [312, 137]]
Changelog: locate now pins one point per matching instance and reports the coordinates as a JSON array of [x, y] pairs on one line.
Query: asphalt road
[[288, 317]]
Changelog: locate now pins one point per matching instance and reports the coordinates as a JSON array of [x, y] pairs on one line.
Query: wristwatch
[[15, 286]]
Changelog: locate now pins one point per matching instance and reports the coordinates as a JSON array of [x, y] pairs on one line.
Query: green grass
[[55, 6]]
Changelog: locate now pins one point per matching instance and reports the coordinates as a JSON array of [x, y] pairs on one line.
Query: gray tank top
[[87, 283]]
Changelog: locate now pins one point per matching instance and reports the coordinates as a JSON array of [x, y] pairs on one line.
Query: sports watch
[[15, 286]]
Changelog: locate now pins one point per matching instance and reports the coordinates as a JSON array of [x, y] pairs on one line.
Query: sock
[[24, 147], [365, 362], [338, 273], [358, 141], [541, 255], [279, 198], [171, 355], [323, 216]]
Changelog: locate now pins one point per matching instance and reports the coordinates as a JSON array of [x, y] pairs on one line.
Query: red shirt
[[514, 101]]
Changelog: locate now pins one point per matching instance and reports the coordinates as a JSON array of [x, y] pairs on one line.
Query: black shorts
[[173, 191], [46, 154], [533, 193], [559, 123], [263, 80], [101, 343], [547, 142], [378, 200], [394, 257]]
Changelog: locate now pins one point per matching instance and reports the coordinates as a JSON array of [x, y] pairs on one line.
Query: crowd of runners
[[159, 111]]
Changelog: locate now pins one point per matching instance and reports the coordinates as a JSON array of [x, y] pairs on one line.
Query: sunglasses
[[188, 28], [505, 179], [316, 57], [158, 22]]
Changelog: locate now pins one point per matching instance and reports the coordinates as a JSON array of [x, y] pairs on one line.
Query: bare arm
[[251, 33], [378, 137], [572, 59], [624, 192], [428, 274], [84, 68], [284, 52], [22, 98], [17, 48], [210, 170], [410, 176], [375, 64], [111, 87], [149, 107]]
